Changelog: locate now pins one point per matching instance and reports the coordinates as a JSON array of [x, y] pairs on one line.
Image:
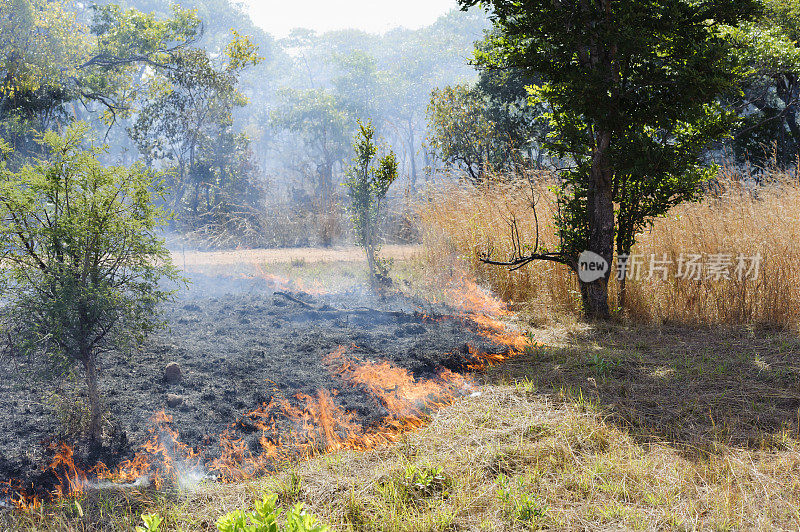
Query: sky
[[279, 17]]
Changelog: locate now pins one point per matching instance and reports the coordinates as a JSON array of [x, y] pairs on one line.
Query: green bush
[[264, 518], [518, 505], [152, 523]]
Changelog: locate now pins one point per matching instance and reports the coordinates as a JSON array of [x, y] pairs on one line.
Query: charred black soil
[[240, 343]]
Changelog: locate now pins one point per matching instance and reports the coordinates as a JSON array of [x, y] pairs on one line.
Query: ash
[[240, 342]]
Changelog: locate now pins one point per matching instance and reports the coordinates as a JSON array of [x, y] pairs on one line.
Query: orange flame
[[161, 459], [481, 308], [307, 424], [17, 497], [282, 283], [396, 389], [318, 424], [72, 479]]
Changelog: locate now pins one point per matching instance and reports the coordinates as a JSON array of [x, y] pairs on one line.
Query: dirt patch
[[201, 261]]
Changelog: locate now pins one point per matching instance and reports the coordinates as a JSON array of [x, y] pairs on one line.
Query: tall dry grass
[[459, 222]]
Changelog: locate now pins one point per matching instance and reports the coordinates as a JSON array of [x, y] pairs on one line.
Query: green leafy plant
[[368, 181], [519, 505], [602, 366], [152, 523], [264, 518], [425, 481], [414, 484]]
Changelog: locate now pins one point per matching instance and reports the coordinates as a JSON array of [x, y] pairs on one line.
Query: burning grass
[[289, 431], [591, 427], [364, 399], [505, 458]]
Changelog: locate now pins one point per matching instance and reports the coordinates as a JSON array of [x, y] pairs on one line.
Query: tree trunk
[[95, 421], [371, 265], [413, 158], [601, 225]]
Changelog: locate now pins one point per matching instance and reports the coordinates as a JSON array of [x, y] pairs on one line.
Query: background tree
[[462, 135], [81, 262], [57, 68], [632, 88], [767, 50], [41, 47], [357, 85], [518, 124], [485, 128], [368, 181], [314, 117], [187, 116]]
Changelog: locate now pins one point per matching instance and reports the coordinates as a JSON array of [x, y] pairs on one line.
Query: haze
[[279, 18]]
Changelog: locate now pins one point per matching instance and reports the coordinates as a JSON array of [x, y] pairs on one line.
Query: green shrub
[[264, 518], [368, 181], [518, 505], [152, 523], [414, 484]]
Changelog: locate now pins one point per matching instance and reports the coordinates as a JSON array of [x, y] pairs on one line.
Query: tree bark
[[413, 157], [95, 420], [371, 263], [601, 225]]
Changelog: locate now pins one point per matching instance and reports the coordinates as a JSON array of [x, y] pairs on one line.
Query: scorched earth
[[267, 375]]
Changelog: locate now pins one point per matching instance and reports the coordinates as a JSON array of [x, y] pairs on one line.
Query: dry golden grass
[[460, 222], [221, 260]]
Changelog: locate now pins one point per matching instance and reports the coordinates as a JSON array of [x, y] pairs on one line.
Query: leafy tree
[[632, 88], [322, 126], [368, 181], [187, 117], [479, 132], [53, 64], [81, 260], [357, 85], [461, 133], [41, 45], [404, 107], [387, 77], [517, 124]]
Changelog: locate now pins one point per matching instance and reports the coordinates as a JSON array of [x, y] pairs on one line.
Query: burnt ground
[[240, 342]]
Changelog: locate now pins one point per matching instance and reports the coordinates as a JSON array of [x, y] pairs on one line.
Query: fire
[[72, 479], [314, 424], [17, 497], [162, 458], [317, 424], [396, 389], [479, 307], [292, 285], [303, 425], [467, 296]]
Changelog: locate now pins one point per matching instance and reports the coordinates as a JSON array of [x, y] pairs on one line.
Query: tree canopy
[[633, 89]]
